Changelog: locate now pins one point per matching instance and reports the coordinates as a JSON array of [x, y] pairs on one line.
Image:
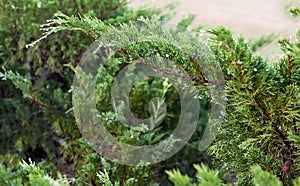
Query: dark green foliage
[[261, 113], [262, 110], [261, 127], [36, 116]]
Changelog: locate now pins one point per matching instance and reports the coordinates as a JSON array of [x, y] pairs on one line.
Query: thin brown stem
[[93, 35]]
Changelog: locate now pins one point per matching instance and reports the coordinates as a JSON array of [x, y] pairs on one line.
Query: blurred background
[[251, 19]]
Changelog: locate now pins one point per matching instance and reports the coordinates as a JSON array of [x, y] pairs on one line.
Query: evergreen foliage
[[36, 116], [30, 174], [262, 109], [262, 101], [259, 140]]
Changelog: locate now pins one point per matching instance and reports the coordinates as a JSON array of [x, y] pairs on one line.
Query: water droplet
[[240, 62], [165, 83], [39, 4], [201, 97], [222, 113], [202, 31]]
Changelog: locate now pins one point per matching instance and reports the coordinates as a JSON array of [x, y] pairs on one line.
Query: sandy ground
[[250, 18]]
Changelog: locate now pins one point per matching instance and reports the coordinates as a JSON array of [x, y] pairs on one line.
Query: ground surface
[[250, 18]]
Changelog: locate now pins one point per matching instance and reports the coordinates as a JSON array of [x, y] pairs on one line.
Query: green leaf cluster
[[258, 142]]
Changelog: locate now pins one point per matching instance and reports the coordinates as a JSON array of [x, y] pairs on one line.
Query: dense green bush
[[262, 107], [35, 107], [30, 124], [261, 127], [262, 118]]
